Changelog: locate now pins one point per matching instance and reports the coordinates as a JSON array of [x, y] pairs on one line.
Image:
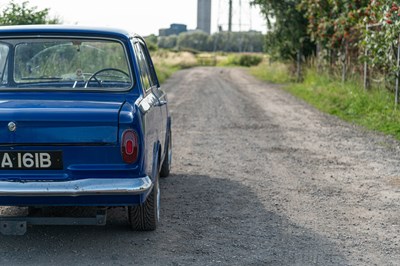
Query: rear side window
[[143, 67], [147, 75]]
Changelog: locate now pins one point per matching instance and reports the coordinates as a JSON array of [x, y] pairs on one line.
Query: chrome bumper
[[75, 188]]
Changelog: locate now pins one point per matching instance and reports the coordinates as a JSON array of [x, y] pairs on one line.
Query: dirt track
[[258, 178]]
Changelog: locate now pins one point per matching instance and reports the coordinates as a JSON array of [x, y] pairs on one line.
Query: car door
[[161, 97], [149, 106]]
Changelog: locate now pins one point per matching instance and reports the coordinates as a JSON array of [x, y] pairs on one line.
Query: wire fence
[[345, 62]]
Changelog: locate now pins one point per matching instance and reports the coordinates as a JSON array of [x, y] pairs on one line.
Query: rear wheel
[[144, 217]]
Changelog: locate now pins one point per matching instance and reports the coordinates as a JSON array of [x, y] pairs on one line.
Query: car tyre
[[144, 217], [166, 166]]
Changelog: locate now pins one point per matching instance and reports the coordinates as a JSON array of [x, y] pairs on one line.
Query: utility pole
[[230, 17]]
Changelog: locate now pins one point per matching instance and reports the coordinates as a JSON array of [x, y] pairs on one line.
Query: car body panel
[[61, 121]]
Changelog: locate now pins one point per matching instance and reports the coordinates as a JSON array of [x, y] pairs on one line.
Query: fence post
[[366, 81], [397, 71], [299, 78], [318, 51], [344, 59]]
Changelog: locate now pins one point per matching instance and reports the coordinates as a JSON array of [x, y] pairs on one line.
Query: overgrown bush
[[246, 60], [249, 60], [272, 71]]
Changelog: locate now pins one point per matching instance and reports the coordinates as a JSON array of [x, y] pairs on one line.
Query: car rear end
[[70, 134]]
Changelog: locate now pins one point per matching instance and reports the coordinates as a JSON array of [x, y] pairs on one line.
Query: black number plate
[[31, 160]]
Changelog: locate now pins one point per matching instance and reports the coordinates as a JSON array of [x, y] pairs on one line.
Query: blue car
[[83, 121]]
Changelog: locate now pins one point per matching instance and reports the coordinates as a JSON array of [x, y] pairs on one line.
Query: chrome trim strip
[[46, 144], [75, 188], [147, 102]]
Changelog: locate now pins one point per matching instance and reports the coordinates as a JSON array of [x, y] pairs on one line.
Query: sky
[[146, 17]]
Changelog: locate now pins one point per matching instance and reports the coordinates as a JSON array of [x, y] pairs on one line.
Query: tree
[[197, 40], [332, 23], [381, 39], [22, 14], [251, 41], [167, 42], [151, 42], [288, 36]]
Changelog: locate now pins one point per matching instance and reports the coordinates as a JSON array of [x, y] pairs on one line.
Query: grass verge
[[167, 62], [372, 109], [272, 72]]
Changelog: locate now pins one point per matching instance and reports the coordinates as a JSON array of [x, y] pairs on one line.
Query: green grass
[[239, 59], [168, 62], [272, 72], [164, 71], [372, 109]]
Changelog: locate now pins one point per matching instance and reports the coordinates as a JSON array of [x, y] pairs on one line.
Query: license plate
[[31, 160]]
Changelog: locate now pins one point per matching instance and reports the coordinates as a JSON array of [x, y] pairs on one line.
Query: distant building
[[174, 29], [204, 15]]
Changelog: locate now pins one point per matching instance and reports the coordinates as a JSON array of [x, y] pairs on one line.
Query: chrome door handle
[[161, 103]]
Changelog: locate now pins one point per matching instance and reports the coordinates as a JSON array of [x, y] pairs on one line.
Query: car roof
[[65, 30]]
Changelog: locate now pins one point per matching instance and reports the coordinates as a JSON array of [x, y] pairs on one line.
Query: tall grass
[[168, 62], [240, 59], [373, 109], [275, 72]]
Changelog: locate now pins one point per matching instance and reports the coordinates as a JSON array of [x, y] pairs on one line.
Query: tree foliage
[[366, 25], [197, 40], [333, 22], [251, 41], [345, 29], [22, 14], [382, 36], [288, 28], [151, 42]]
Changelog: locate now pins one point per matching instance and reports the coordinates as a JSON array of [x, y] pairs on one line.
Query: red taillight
[[129, 146]]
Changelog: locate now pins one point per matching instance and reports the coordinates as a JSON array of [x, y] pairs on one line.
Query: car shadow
[[204, 221]]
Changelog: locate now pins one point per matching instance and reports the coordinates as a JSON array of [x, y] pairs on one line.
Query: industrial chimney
[[204, 15]]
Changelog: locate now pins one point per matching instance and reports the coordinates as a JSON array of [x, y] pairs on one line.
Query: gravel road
[[258, 178]]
